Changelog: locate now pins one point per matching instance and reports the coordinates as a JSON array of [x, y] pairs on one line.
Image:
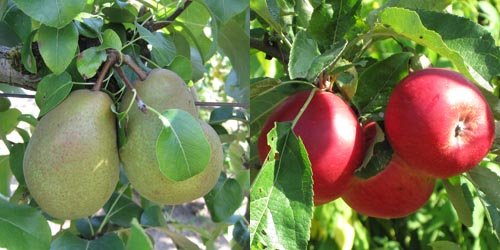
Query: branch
[[16, 95], [110, 61], [11, 76], [162, 24], [142, 106], [271, 49], [130, 62], [221, 104]]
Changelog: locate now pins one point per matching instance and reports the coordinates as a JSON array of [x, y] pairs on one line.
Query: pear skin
[[162, 90], [71, 164]]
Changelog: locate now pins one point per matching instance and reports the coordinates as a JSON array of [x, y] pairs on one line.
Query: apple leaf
[[138, 238], [270, 12], [325, 60], [224, 198], [486, 178], [475, 44], [282, 197], [182, 148], [54, 13], [377, 82], [58, 46], [52, 90], [23, 227], [456, 194], [304, 51], [266, 101]]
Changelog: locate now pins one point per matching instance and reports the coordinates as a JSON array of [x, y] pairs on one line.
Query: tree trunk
[[11, 76]]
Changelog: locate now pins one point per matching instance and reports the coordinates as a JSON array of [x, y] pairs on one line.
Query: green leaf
[[111, 40], [68, 241], [282, 202], [223, 200], [53, 13], [193, 20], [117, 14], [304, 51], [124, 211], [330, 22], [457, 198], [5, 176], [19, 22], [486, 178], [90, 27], [266, 101], [325, 60], [180, 65], [52, 90], [181, 241], [138, 238], [222, 114], [8, 36], [444, 245], [182, 149], [377, 82], [241, 233], [89, 61], [4, 104], [163, 49], [58, 46], [27, 56], [225, 10], [235, 43], [9, 121], [153, 217], [16, 161], [269, 11], [22, 228], [475, 45]]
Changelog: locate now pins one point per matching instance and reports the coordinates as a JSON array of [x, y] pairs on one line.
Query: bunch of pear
[[71, 164]]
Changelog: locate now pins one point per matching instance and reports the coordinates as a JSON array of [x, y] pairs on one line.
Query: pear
[[71, 164], [162, 90]]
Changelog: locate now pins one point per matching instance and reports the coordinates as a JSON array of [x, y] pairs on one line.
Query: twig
[[142, 106], [272, 50], [16, 95], [221, 104], [109, 62], [130, 62], [162, 24]]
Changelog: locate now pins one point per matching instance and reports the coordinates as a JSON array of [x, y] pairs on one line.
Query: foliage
[[66, 44], [367, 47]]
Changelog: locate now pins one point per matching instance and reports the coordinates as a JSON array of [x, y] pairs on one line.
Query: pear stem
[[130, 62], [142, 106], [109, 62]]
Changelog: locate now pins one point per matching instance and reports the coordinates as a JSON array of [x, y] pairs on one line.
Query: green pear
[[71, 164], [162, 90]]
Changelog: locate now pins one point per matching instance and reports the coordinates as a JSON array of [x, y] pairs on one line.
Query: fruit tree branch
[[11, 76], [162, 24], [271, 49], [142, 106], [107, 65]]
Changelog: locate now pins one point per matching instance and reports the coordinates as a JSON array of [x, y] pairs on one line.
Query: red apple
[[437, 121], [395, 192], [331, 135]]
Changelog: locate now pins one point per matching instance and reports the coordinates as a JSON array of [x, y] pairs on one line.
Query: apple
[[395, 192], [437, 121], [331, 135]]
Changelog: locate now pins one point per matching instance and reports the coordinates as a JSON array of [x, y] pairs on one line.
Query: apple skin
[[395, 192], [331, 135], [438, 122]]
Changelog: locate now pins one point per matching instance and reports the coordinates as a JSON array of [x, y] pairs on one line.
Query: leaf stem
[[140, 104], [304, 107], [108, 214]]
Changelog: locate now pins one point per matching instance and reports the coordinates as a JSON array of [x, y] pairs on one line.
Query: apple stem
[[459, 128]]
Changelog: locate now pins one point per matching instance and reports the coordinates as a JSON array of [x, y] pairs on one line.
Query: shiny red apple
[[397, 191], [331, 135], [437, 121]]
